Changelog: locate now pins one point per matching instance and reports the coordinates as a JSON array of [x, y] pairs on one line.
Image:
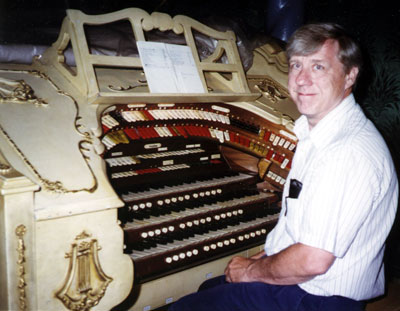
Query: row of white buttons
[[190, 224], [167, 201], [213, 246], [182, 255], [246, 236]]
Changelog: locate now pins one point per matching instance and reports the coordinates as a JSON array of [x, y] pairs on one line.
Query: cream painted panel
[[54, 239]]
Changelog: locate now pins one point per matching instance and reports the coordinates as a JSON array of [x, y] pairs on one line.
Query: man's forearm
[[277, 269], [296, 264], [258, 255]]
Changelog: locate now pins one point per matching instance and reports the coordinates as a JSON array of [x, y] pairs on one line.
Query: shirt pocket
[[293, 217]]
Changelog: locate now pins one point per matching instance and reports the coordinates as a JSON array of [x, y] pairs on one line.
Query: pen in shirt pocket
[[294, 191]]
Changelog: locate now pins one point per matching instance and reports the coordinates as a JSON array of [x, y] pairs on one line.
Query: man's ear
[[351, 77]]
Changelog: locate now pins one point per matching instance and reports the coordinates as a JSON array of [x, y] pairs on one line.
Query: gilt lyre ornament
[[86, 283]]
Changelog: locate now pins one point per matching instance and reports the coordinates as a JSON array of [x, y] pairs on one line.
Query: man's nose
[[303, 77]]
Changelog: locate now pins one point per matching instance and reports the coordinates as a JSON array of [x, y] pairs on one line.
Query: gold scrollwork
[[20, 232], [18, 91], [86, 282], [52, 186], [140, 83], [271, 90]]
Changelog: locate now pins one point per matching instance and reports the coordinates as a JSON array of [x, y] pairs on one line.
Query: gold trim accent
[[83, 235], [86, 282], [56, 186], [4, 168], [270, 89], [18, 91], [140, 83], [20, 232]]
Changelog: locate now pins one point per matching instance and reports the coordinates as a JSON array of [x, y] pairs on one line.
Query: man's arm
[[296, 264], [258, 255]]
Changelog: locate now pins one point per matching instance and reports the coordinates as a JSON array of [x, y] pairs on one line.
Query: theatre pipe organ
[[116, 197]]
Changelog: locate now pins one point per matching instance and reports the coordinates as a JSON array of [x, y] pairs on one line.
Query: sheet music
[[169, 68]]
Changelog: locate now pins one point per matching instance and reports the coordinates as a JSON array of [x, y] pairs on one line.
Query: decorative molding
[[55, 186], [4, 168], [18, 92], [83, 235], [86, 282], [140, 83], [20, 232], [270, 89], [274, 55]]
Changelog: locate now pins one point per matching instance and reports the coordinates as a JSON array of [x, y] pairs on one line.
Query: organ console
[[114, 197]]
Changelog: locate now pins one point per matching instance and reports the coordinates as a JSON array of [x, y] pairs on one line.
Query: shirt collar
[[327, 128]]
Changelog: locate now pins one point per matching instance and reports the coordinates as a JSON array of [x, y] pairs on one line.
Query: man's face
[[318, 83]]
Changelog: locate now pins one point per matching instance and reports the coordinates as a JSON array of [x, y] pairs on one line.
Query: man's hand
[[235, 271]]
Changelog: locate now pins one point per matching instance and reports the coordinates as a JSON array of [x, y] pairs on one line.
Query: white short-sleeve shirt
[[347, 203]]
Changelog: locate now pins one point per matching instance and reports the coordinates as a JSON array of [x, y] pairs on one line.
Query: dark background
[[375, 24]]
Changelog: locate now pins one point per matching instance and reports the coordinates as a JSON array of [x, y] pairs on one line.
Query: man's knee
[[210, 283]]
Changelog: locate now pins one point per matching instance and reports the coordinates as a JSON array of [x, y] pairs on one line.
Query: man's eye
[[318, 67], [295, 66]]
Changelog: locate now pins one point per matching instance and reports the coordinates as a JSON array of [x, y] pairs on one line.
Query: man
[[339, 203]]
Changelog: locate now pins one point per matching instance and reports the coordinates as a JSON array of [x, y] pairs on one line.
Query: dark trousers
[[218, 295]]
